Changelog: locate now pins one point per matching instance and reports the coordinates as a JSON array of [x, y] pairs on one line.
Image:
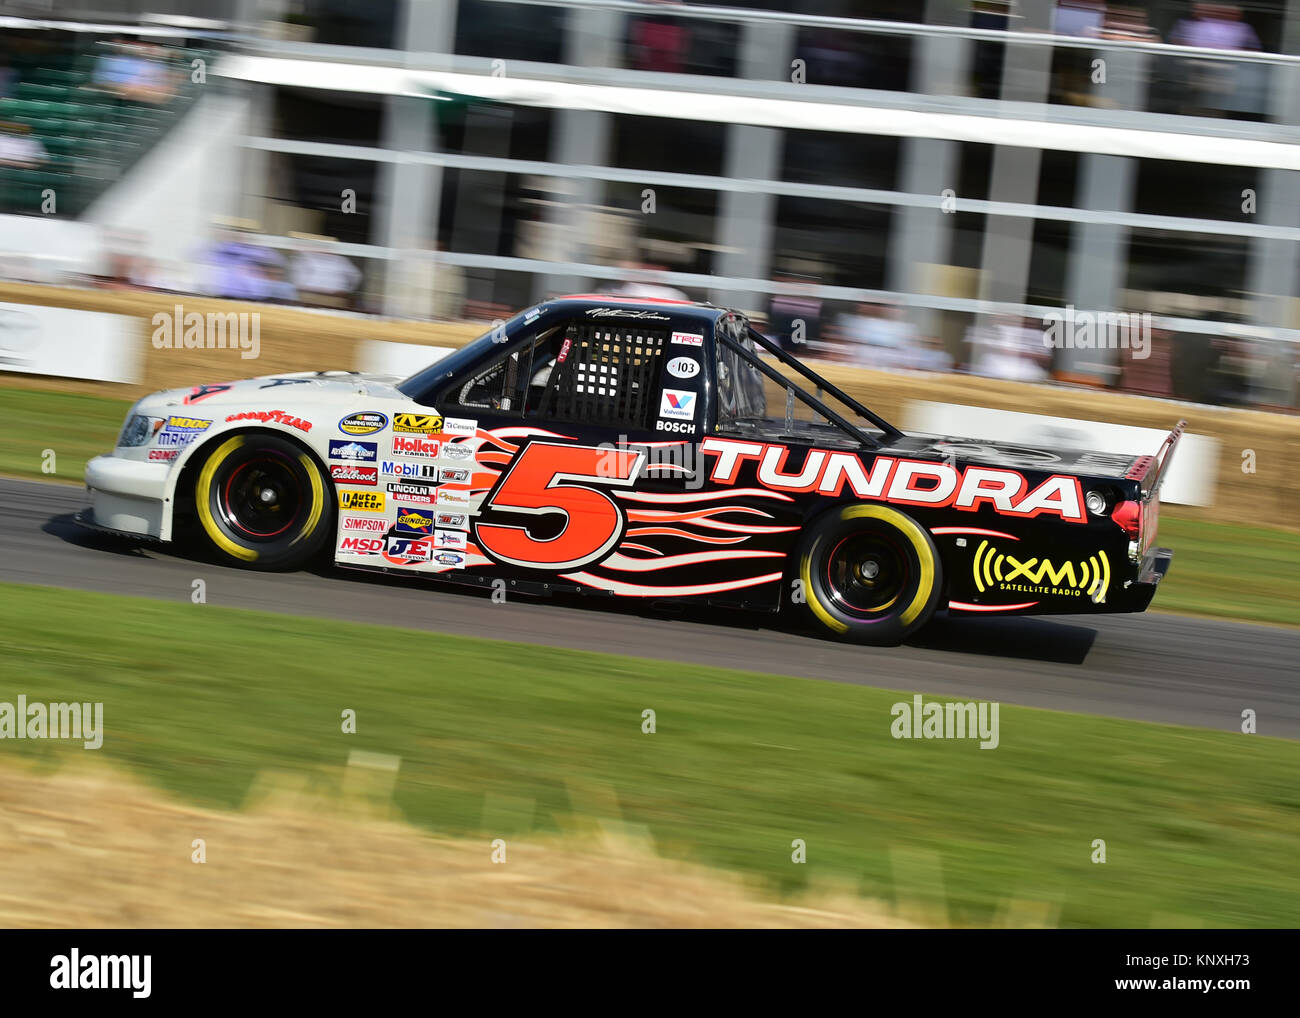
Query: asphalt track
[[1149, 667]]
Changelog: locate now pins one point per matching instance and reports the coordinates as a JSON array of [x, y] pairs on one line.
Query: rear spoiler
[[1152, 470]]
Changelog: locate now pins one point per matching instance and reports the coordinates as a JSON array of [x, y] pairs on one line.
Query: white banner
[[41, 340]]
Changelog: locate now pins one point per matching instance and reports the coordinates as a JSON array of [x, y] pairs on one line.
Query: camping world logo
[[995, 570]]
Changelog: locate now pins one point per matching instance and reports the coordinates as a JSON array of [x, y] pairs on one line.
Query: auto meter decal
[[418, 424], [362, 501], [365, 423]]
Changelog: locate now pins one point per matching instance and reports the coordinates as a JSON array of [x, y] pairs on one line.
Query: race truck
[[658, 450]]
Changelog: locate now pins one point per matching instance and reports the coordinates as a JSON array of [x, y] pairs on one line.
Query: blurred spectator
[[1079, 18], [323, 277], [879, 336], [831, 60], [647, 286], [8, 78], [235, 270], [18, 148], [1008, 347], [1215, 26], [794, 319], [1128, 23], [133, 71], [659, 44]]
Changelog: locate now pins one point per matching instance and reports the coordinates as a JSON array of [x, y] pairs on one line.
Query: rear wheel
[[260, 501], [870, 574]]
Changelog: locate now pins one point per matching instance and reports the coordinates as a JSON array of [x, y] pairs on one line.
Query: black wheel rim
[[867, 573], [261, 496]]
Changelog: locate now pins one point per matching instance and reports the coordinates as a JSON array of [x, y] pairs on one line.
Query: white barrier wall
[[41, 340]]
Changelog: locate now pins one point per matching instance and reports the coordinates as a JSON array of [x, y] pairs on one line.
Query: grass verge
[[504, 740]]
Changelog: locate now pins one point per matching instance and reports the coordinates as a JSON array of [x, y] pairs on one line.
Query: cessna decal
[[905, 481]]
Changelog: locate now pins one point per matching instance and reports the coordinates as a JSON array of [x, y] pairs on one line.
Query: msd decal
[[902, 481]]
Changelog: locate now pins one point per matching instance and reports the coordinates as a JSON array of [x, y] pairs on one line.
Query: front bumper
[[128, 496]]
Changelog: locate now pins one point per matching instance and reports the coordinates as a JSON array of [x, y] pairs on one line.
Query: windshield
[[423, 382]]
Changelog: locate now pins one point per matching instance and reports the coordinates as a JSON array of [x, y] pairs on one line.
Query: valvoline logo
[[677, 404]]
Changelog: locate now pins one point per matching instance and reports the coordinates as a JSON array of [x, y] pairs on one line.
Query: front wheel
[[260, 500], [869, 574]]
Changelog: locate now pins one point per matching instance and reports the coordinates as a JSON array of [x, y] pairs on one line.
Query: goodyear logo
[[362, 501], [995, 570], [418, 424]]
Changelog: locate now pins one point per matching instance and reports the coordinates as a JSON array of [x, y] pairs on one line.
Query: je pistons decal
[[997, 571], [364, 423]]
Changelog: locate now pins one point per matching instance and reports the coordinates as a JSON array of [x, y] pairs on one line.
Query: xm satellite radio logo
[[996, 571]]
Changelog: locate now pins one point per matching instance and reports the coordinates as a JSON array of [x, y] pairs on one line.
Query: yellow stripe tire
[[911, 605], [304, 536]]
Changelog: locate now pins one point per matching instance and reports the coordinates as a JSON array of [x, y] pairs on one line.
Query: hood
[[293, 388]]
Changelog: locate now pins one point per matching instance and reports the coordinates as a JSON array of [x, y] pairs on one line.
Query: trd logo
[[994, 570]]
